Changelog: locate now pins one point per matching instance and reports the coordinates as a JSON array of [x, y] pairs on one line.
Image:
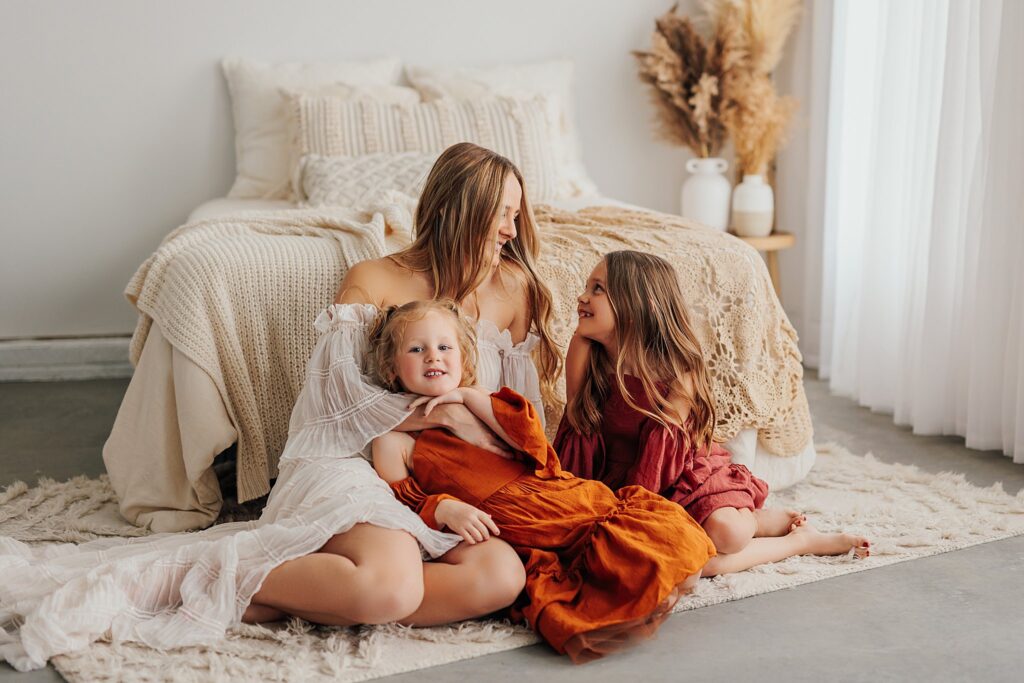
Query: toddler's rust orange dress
[[602, 567]]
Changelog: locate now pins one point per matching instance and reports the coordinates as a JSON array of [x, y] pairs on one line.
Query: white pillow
[[261, 127], [352, 181], [524, 130], [552, 78]]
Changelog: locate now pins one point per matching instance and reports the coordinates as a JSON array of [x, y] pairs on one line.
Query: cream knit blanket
[[238, 296]]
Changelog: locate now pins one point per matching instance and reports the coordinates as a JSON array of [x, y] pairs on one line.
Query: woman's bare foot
[[777, 521], [261, 614], [817, 543]]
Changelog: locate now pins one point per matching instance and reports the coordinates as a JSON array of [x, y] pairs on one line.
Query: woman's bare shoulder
[[366, 282]]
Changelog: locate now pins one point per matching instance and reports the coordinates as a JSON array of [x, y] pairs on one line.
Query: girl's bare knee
[[496, 574], [729, 530]]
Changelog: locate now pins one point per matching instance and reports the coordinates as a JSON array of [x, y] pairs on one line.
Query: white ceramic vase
[[705, 194], [753, 207]]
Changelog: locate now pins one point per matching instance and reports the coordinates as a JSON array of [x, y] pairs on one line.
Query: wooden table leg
[[773, 270]]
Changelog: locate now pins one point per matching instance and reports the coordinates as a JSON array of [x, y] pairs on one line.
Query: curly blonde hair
[[388, 329]]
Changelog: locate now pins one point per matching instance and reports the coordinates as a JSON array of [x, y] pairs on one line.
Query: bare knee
[[730, 529], [494, 574], [380, 595]]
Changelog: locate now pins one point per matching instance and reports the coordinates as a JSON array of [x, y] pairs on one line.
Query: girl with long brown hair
[[640, 410]]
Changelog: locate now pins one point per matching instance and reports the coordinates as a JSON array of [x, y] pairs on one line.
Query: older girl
[[640, 411]]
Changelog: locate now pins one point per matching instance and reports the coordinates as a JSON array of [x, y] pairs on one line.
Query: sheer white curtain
[[923, 268]]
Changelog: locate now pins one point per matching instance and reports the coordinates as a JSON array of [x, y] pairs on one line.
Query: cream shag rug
[[907, 514]]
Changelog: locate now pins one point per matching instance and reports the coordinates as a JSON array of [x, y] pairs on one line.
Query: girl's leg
[[803, 540], [469, 581], [730, 529], [367, 575]]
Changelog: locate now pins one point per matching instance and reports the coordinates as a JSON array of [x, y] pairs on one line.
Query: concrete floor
[[952, 617]]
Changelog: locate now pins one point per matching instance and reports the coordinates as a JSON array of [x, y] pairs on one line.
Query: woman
[[475, 243], [333, 545]]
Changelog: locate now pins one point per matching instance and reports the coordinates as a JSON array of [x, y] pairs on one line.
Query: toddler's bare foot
[[817, 543], [777, 521], [261, 614]]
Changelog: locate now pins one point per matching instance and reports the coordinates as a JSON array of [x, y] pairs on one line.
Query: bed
[[227, 302]]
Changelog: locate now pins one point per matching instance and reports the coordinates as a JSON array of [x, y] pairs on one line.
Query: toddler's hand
[[453, 396], [473, 524]]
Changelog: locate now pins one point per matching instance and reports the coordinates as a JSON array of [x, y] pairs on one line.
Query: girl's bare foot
[[817, 543], [261, 614], [777, 521]]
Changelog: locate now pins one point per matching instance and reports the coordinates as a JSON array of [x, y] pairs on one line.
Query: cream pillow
[[261, 127], [524, 130], [553, 78], [351, 181]]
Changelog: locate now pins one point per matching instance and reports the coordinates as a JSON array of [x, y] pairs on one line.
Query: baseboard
[[51, 360]]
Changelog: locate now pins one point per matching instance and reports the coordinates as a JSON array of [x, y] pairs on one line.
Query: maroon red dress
[[632, 449]]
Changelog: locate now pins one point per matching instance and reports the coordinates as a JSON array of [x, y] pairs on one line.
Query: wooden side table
[[770, 246]]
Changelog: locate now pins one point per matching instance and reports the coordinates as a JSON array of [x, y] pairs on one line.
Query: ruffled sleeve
[[340, 410], [518, 417], [662, 458], [581, 454], [410, 493]]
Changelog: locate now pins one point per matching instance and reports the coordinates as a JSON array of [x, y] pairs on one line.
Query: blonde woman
[[476, 244], [333, 545]]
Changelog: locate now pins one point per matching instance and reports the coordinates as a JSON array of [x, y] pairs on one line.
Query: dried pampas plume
[[683, 71], [753, 114]]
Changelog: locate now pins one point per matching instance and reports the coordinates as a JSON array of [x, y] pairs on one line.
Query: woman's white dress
[[179, 589]]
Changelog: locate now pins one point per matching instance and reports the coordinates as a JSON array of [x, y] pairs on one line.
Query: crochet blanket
[[238, 296]]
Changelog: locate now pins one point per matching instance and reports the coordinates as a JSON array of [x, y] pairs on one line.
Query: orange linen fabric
[[603, 567]]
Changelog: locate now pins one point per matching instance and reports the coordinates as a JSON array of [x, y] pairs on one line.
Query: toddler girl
[[640, 411], [602, 567]]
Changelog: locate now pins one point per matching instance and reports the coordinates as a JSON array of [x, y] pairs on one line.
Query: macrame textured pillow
[[351, 181], [524, 130]]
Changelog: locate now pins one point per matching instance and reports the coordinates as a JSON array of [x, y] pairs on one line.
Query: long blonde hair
[[460, 200], [655, 338], [388, 329]]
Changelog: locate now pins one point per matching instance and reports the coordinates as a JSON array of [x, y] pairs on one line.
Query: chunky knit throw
[[238, 296]]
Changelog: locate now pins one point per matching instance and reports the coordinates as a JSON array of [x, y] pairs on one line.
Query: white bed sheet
[[779, 471]]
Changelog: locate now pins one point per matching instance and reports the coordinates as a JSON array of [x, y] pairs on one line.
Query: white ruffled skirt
[[180, 589]]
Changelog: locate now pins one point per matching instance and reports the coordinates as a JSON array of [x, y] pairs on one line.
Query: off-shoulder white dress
[[178, 589]]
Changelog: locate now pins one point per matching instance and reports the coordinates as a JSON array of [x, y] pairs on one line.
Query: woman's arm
[[577, 361], [478, 403], [391, 455]]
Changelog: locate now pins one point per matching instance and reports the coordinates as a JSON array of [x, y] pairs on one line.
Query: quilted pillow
[[524, 130], [350, 181]]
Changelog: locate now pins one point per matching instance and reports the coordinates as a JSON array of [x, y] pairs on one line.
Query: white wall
[[116, 120]]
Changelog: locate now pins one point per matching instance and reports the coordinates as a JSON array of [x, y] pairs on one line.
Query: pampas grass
[[684, 72], [752, 112], [705, 89]]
